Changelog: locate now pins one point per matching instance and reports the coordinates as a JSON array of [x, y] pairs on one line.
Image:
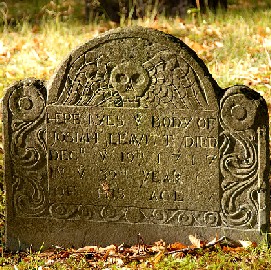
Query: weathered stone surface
[[132, 135]]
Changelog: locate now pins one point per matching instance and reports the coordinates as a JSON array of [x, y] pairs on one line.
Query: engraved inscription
[[125, 155]]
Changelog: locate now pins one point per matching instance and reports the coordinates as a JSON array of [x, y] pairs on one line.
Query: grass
[[215, 258], [236, 48]]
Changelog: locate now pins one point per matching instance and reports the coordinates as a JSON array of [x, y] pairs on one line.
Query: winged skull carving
[[164, 80]]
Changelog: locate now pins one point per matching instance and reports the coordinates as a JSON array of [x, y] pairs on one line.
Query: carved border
[[27, 147], [239, 158], [134, 215]]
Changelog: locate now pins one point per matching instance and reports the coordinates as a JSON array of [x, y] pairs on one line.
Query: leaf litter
[[124, 256]]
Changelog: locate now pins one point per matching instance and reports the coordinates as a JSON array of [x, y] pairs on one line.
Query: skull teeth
[[129, 88]]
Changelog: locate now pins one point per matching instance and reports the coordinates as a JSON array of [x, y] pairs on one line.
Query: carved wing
[[90, 86], [173, 83]]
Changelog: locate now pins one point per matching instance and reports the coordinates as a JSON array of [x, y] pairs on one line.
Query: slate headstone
[[132, 135]]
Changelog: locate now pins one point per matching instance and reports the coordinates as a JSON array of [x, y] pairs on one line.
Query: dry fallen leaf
[[195, 241], [176, 246], [247, 244], [109, 250], [232, 249], [158, 246], [115, 260], [87, 249]]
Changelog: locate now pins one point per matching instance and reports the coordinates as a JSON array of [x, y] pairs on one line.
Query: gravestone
[[132, 135]]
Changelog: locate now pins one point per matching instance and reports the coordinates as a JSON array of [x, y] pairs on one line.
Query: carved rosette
[[26, 113], [239, 158]]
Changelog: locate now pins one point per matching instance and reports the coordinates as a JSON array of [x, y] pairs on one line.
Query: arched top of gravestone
[[134, 67]]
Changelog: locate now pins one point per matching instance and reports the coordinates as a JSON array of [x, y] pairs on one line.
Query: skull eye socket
[[135, 78], [121, 78]]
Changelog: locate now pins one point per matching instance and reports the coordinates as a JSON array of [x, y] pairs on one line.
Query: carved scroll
[[134, 215], [26, 110], [239, 158]]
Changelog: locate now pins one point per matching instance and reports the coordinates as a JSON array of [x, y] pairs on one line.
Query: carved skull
[[130, 80]]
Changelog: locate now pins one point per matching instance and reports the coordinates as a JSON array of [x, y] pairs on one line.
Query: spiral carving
[[238, 158], [29, 196], [27, 146], [237, 110], [27, 106]]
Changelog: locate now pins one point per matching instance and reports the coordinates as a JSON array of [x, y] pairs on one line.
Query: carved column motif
[[239, 158], [26, 112]]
